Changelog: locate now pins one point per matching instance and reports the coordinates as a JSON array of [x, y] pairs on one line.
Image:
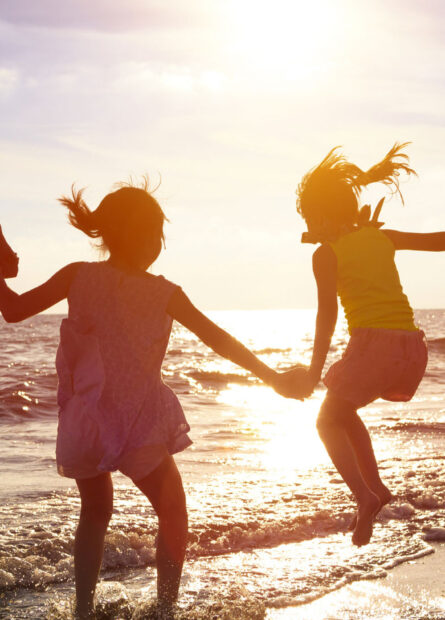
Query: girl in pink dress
[[115, 411]]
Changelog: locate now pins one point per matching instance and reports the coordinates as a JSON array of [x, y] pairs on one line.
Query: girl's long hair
[[331, 189], [122, 222]]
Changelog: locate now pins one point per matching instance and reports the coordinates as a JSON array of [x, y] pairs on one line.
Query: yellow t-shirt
[[368, 282]]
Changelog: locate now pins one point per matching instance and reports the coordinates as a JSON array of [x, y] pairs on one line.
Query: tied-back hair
[[331, 190], [79, 214], [124, 219]]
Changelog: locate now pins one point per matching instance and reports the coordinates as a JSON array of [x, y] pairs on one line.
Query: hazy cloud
[[8, 81], [108, 15], [231, 106]]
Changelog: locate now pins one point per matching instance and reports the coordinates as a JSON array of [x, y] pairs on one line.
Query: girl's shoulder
[[85, 270], [155, 281], [365, 246], [163, 287], [143, 284], [103, 273], [359, 236], [151, 291], [374, 238]]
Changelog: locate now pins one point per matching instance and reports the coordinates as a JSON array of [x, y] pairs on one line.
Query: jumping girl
[[386, 355], [115, 412]]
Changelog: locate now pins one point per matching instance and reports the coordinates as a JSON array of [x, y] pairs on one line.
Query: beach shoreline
[[404, 592], [268, 515]]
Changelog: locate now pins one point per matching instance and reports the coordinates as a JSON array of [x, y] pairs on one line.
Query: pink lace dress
[[112, 399]]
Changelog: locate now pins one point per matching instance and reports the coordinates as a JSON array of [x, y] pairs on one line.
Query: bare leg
[[332, 426], [364, 452], [163, 487], [361, 443], [96, 508]]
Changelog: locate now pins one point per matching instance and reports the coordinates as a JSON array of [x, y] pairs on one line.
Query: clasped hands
[[296, 383]]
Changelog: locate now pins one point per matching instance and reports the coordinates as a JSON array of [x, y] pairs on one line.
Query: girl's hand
[[296, 383], [9, 261]]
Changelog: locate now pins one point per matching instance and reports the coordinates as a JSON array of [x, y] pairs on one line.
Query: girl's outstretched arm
[[182, 310], [324, 264], [426, 242], [15, 307]]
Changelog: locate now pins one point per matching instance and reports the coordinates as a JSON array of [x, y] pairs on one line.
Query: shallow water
[[268, 513]]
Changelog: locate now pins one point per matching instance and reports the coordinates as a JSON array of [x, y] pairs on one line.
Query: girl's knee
[[99, 513], [174, 508], [171, 500], [325, 416], [324, 423], [334, 412], [163, 487], [96, 496]]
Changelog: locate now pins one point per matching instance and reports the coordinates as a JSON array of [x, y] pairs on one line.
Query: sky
[[228, 103]]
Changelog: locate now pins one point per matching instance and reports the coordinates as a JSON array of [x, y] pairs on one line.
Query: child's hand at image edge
[[9, 261]]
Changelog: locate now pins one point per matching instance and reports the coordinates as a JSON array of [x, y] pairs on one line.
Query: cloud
[[91, 92], [42, 50], [107, 15], [8, 81]]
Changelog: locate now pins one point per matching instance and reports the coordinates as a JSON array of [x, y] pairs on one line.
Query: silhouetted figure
[[386, 355], [115, 411]]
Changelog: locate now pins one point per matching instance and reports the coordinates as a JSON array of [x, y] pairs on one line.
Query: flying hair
[[79, 214], [124, 219], [386, 171], [332, 188], [144, 184]]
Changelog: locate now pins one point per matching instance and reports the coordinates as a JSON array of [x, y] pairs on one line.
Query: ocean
[[268, 513]]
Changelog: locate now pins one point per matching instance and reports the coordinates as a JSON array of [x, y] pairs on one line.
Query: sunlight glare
[[285, 426], [289, 37]]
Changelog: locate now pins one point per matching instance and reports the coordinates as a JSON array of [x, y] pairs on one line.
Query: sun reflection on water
[[284, 427]]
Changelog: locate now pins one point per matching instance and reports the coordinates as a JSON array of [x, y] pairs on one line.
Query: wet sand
[[410, 590]]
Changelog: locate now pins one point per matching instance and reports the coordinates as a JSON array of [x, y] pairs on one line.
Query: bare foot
[[86, 613], [367, 511], [385, 498], [165, 612]]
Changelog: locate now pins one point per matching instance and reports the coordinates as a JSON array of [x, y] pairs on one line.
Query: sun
[[284, 38]]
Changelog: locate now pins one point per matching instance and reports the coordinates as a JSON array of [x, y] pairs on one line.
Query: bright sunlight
[[290, 37]]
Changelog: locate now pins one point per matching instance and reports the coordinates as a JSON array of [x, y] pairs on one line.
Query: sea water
[[268, 512]]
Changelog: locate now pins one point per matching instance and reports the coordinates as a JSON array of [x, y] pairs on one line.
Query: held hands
[[296, 383], [9, 261]]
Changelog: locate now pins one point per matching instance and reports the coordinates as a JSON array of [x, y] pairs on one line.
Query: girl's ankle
[[166, 609], [84, 613]]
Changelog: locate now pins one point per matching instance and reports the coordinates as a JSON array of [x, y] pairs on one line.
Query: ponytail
[[79, 215], [124, 221], [331, 189], [386, 171]]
